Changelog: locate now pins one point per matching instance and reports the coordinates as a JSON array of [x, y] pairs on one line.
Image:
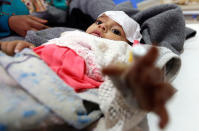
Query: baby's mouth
[[96, 33]]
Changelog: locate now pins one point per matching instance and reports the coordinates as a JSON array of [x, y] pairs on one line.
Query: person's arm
[[12, 47], [29, 23], [15, 24], [18, 20]]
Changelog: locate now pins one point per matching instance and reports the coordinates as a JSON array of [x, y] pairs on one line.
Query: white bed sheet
[[184, 106]]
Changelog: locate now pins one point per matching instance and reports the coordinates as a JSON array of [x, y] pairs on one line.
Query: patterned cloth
[[41, 93]]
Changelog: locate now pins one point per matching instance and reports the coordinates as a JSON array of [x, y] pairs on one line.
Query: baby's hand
[[12, 47], [146, 83]]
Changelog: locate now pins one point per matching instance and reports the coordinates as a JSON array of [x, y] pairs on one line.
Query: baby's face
[[105, 27]]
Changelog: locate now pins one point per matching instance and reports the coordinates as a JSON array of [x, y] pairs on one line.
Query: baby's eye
[[116, 31], [98, 22]]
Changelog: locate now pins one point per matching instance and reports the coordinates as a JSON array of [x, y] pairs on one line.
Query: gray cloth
[[10, 38], [55, 16], [40, 37], [92, 7], [164, 25]]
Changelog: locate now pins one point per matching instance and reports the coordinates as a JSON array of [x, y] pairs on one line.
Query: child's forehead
[[103, 17], [111, 22], [107, 18]]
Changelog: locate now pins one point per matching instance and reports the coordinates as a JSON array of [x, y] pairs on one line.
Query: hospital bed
[[183, 107]]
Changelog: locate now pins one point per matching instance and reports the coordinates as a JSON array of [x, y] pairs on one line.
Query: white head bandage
[[130, 26]]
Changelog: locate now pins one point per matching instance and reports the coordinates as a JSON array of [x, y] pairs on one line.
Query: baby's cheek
[[111, 36]]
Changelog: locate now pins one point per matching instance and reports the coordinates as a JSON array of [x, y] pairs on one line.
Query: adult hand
[[22, 23], [12, 47]]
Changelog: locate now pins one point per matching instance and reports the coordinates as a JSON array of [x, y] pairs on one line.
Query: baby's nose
[[103, 27]]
